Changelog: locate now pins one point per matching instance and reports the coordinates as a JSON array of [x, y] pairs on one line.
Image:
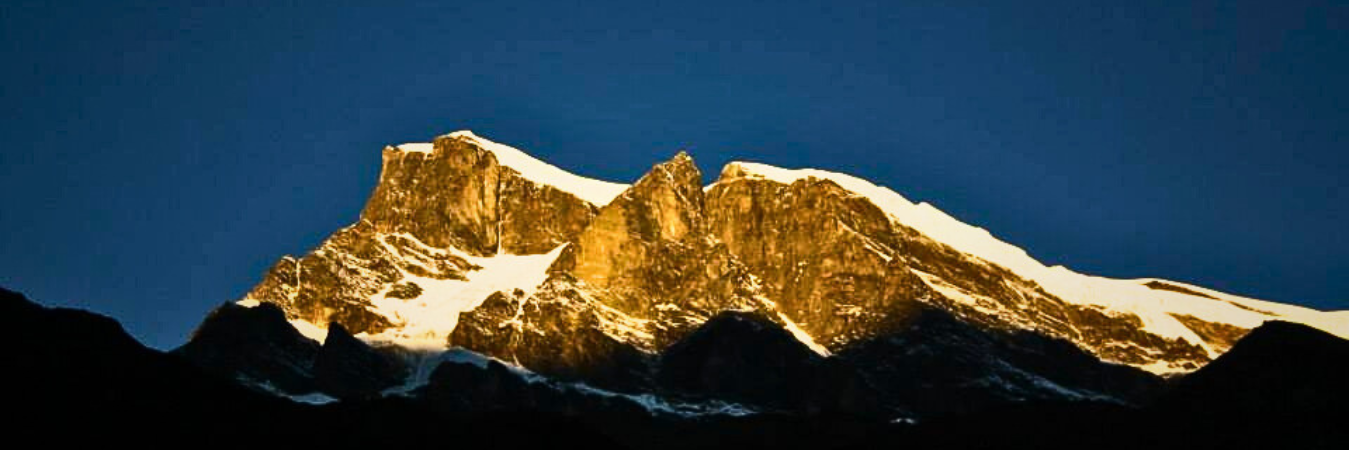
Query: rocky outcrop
[[256, 345], [830, 259], [746, 358], [458, 195], [650, 251], [535, 217], [445, 198], [335, 282], [642, 274], [348, 369], [561, 331]]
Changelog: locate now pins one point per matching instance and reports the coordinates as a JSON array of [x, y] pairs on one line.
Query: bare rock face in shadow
[[939, 364], [746, 358], [347, 368], [255, 344], [259, 349], [1281, 372]]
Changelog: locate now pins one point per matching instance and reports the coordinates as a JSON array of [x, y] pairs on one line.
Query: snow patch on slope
[[802, 335], [660, 405], [417, 147], [426, 321], [1252, 311], [310, 330], [315, 398], [791, 327], [1153, 307]]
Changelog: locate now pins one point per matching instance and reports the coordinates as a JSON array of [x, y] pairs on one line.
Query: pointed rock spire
[[664, 206], [641, 244]]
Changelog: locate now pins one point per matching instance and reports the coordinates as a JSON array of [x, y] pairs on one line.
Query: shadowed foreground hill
[[1281, 386], [76, 378], [1283, 382]]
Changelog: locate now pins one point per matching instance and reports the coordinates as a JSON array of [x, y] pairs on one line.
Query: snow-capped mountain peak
[[536, 259]]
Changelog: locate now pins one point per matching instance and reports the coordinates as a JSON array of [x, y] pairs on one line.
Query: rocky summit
[[671, 284]]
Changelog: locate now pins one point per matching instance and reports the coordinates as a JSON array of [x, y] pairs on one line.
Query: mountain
[[488, 298], [467, 243], [834, 258], [254, 344]]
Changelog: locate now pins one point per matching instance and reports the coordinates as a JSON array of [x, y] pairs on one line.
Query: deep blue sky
[[157, 159]]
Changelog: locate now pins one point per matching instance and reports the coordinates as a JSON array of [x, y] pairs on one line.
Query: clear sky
[[158, 158]]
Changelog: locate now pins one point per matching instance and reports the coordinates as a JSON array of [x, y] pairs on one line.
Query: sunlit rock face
[[643, 273], [827, 257], [446, 198], [651, 253], [459, 196], [844, 271]]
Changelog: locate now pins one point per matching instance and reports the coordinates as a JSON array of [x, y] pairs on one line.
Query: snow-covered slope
[[1156, 307], [426, 321]]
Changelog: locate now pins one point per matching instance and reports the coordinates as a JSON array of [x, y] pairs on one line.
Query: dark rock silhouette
[[939, 364], [256, 344], [348, 368], [746, 358], [79, 379]]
